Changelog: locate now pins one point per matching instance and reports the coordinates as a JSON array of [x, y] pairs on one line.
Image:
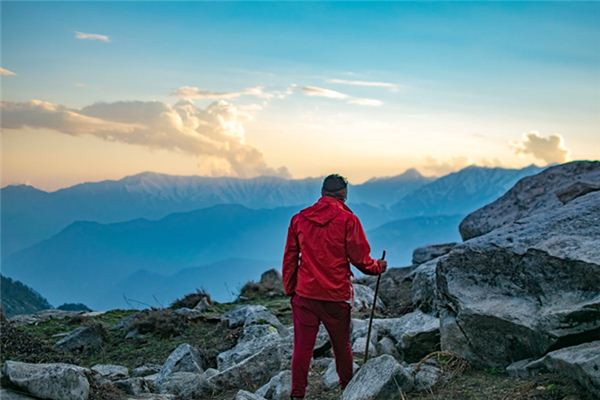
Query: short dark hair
[[334, 183]]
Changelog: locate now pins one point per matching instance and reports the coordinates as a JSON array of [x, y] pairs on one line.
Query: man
[[322, 240]]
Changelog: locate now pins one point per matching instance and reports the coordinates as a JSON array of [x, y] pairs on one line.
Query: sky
[[101, 90]]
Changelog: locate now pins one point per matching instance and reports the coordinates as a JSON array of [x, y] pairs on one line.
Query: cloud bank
[[91, 36], [550, 149], [214, 132]]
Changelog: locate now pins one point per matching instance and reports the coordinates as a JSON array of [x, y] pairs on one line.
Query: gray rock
[[255, 370], [534, 194], [210, 372], [426, 253], [202, 305], [416, 334], [82, 338], [519, 369], [331, 379], [185, 385], [425, 296], [245, 395], [185, 358], [426, 375], [111, 372], [279, 387], [387, 346], [363, 298], [56, 381], [520, 290], [152, 396], [254, 339], [582, 363], [41, 316], [239, 315], [126, 323], [381, 378], [133, 386], [145, 370], [7, 394], [394, 291]]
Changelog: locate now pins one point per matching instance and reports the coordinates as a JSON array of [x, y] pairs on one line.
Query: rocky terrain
[[512, 312]]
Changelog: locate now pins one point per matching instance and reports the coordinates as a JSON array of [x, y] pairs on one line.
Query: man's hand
[[383, 264]]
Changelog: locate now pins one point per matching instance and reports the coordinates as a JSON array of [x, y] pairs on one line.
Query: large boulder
[[110, 371], [254, 370], [426, 253], [55, 381], [270, 285], [425, 296], [526, 288], [416, 334], [582, 363], [545, 191], [254, 339], [7, 394], [363, 298], [185, 358], [331, 378], [394, 291], [381, 378]]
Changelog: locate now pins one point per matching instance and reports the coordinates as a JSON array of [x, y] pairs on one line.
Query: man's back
[[322, 240]]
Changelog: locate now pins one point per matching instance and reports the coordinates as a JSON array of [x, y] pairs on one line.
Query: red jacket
[[322, 241]]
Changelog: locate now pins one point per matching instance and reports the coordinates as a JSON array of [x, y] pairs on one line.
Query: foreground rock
[[331, 378], [546, 191], [110, 371], [54, 381], [582, 363], [381, 378], [526, 288], [185, 385], [254, 339], [394, 291], [278, 388], [426, 253]]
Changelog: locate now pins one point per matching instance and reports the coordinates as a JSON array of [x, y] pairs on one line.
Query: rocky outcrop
[[380, 378], [394, 291], [55, 381], [543, 192], [82, 338], [528, 287], [270, 285], [426, 253], [425, 296]]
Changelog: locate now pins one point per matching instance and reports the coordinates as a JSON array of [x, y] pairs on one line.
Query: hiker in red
[[322, 241]]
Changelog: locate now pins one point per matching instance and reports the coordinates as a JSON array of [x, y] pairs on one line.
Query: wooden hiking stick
[[372, 313]]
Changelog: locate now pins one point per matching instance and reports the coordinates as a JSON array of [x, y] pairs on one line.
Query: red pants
[[335, 315]]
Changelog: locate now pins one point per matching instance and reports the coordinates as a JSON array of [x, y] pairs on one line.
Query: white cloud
[[196, 93], [317, 91], [550, 149], [6, 72], [322, 92], [385, 85], [214, 132], [366, 102], [92, 36]]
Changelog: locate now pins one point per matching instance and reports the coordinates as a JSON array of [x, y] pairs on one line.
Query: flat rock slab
[[55, 381], [381, 378]]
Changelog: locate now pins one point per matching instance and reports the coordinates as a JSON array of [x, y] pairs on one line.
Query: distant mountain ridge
[[31, 215], [18, 298]]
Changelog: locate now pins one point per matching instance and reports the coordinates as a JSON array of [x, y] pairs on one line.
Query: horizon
[[51, 190], [96, 91]]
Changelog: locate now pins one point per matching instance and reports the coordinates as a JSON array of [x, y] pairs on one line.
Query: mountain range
[[150, 227]]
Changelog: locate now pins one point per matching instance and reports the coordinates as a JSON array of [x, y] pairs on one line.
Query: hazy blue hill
[[460, 192], [30, 215], [222, 280], [18, 298], [87, 259], [399, 238]]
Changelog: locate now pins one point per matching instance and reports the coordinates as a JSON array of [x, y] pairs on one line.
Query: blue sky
[[467, 82]]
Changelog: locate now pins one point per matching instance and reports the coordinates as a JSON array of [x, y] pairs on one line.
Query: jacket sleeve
[[291, 261], [358, 249]]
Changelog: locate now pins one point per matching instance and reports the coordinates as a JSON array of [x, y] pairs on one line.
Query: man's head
[[336, 186]]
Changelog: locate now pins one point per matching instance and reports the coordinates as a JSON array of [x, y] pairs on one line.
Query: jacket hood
[[324, 210]]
